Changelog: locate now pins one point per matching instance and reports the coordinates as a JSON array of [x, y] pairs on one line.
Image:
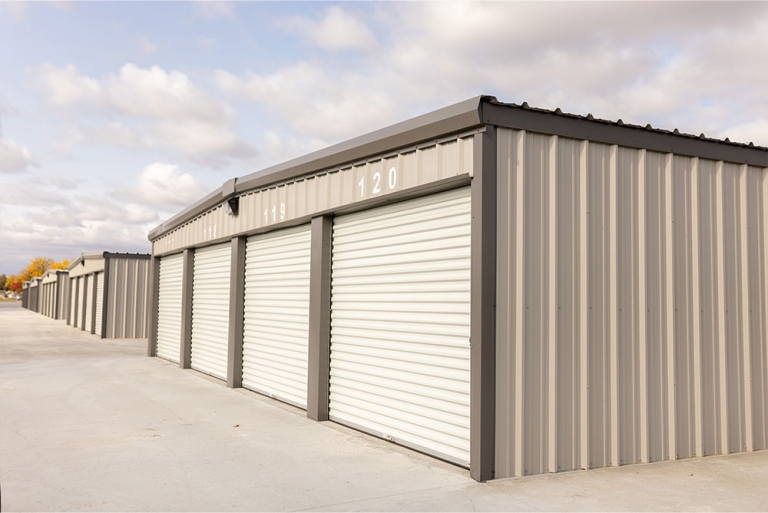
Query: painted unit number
[[376, 182], [274, 213]]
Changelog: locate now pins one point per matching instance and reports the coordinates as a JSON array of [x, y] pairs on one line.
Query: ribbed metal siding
[[169, 307], [631, 306], [400, 323], [125, 304], [89, 302], [275, 337], [72, 301], [99, 303], [210, 310]]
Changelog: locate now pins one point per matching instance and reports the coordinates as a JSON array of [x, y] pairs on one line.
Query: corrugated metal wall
[[631, 306], [126, 298]]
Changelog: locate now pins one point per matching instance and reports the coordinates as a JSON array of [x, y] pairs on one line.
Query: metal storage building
[[515, 290], [33, 290], [54, 293], [108, 294], [25, 295]]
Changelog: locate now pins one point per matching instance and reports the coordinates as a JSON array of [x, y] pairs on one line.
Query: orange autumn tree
[[35, 269]]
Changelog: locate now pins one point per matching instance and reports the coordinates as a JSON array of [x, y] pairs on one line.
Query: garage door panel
[[72, 301], [210, 309], [89, 302], [99, 303], [170, 307], [400, 290], [276, 331]]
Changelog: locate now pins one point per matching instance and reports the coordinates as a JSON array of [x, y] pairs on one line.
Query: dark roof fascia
[[609, 132], [136, 256], [443, 122]]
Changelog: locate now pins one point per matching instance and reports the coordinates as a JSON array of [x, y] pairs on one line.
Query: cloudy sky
[[114, 116]]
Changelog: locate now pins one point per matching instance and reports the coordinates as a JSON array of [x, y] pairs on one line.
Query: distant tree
[[14, 283], [63, 265], [3, 279]]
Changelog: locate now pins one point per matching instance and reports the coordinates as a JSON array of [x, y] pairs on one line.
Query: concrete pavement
[[94, 425]]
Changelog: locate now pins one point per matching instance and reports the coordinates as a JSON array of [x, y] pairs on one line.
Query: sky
[[114, 116]]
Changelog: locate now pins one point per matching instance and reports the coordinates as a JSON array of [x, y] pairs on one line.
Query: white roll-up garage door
[[99, 303], [72, 301], [89, 303], [400, 323], [210, 310], [275, 337], [169, 307], [80, 301]]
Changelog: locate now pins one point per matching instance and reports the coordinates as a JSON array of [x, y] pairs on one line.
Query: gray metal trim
[[483, 309], [576, 127], [319, 371], [185, 356], [236, 314], [152, 306], [453, 119]]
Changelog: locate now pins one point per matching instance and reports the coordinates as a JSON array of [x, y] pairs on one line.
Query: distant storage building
[[33, 303], [108, 294], [54, 293], [25, 295], [515, 290]]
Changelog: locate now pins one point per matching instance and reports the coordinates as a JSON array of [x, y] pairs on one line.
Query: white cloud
[[166, 187], [14, 158], [337, 30], [141, 109], [212, 9]]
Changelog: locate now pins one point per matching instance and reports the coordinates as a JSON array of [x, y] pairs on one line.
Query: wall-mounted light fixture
[[233, 206]]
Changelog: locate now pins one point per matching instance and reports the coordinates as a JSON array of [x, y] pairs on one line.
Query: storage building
[[25, 295], [515, 290], [108, 294], [54, 290], [33, 303]]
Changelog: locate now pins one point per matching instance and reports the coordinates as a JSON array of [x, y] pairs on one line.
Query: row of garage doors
[[86, 311], [400, 293]]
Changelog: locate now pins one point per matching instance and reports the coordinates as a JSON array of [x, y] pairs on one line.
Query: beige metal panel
[[734, 304], [87, 266], [327, 191], [628, 366], [400, 323], [760, 314], [125, 303], [710, 307], [565, 312], [599, 358], [276, 314]]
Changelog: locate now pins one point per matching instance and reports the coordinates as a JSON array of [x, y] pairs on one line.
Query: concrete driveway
[[89, 424]]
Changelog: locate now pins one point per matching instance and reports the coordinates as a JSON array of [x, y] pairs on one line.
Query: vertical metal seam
[[670, 300], [583, 306], [642, 306], [764, 205], [553, 308], [724, 449], [519, 300], [696, 288], [613, 292], [745, 308]]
